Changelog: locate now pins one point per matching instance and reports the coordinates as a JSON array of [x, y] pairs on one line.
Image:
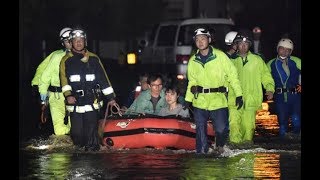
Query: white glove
[[43, 97]]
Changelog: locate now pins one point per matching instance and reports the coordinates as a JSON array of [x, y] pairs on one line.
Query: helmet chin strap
[[283, 57]]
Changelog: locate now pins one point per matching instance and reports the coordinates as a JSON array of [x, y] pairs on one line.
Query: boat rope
[[113, 106], [118, 109]]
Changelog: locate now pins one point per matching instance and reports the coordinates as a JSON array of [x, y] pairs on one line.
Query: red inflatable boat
[[151, 132]]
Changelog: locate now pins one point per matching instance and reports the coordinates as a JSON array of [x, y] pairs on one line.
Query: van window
[[152, 34], [218, 31], [166, 35]]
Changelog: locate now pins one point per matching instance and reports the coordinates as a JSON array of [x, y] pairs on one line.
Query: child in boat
[[174, 108]]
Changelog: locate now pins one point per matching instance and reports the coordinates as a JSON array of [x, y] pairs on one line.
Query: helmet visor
[[201, 31], [78, 33], [65, 35]]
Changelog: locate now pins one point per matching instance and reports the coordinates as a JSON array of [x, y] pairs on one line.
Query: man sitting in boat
[[142, 86], [150, 101], [174, 108]]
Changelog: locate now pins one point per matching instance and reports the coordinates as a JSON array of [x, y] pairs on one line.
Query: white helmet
[[77, 32], [286, 43], [64, 33], [200, 31], [230, 37]]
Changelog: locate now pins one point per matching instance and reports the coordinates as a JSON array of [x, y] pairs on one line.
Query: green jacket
[[143, 104], [297, 61], [50, 75], [252, 75], [41, 68], [217, 71]]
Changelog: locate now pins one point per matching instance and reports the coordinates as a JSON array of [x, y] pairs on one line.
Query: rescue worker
[[49, 85], [36, 78], [151, 100], [257, 46], [231, 52], [286, 72], [253, 73], [208, 71], [84, 81], [231, 47], [256, 40], [43, 65]]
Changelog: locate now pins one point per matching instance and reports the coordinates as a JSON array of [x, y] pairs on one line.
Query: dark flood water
[[268, 158], [247, 164]]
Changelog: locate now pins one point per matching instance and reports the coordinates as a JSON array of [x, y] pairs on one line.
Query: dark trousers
[[286, 110], [84, 129], [219, 118]]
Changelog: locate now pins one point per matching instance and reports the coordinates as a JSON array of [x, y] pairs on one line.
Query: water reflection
[[140, 166], [240, 166], [161, 165], [48, 165], [256, 163], [267, 166], [266, 123]]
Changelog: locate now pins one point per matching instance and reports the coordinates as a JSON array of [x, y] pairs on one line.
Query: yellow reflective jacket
[[297, 61], [253, 75], [50, 75], [41, 68], [217, 71]]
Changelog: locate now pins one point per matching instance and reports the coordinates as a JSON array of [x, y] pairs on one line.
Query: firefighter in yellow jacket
[[49, 85], [84, 83], [253, 74]]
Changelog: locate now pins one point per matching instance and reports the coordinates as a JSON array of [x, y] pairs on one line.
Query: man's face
[[156, 86], [256, 36], [256, 33], [144, 83], [284, 52], [78, 43], [234, 46], [202, 41], [67, 44], [243, 47]]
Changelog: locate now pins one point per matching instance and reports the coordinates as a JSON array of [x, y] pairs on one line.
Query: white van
[[159, 47], [172, 42]]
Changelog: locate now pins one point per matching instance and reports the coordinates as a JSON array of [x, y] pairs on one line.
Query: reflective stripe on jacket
[[79, 78]]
